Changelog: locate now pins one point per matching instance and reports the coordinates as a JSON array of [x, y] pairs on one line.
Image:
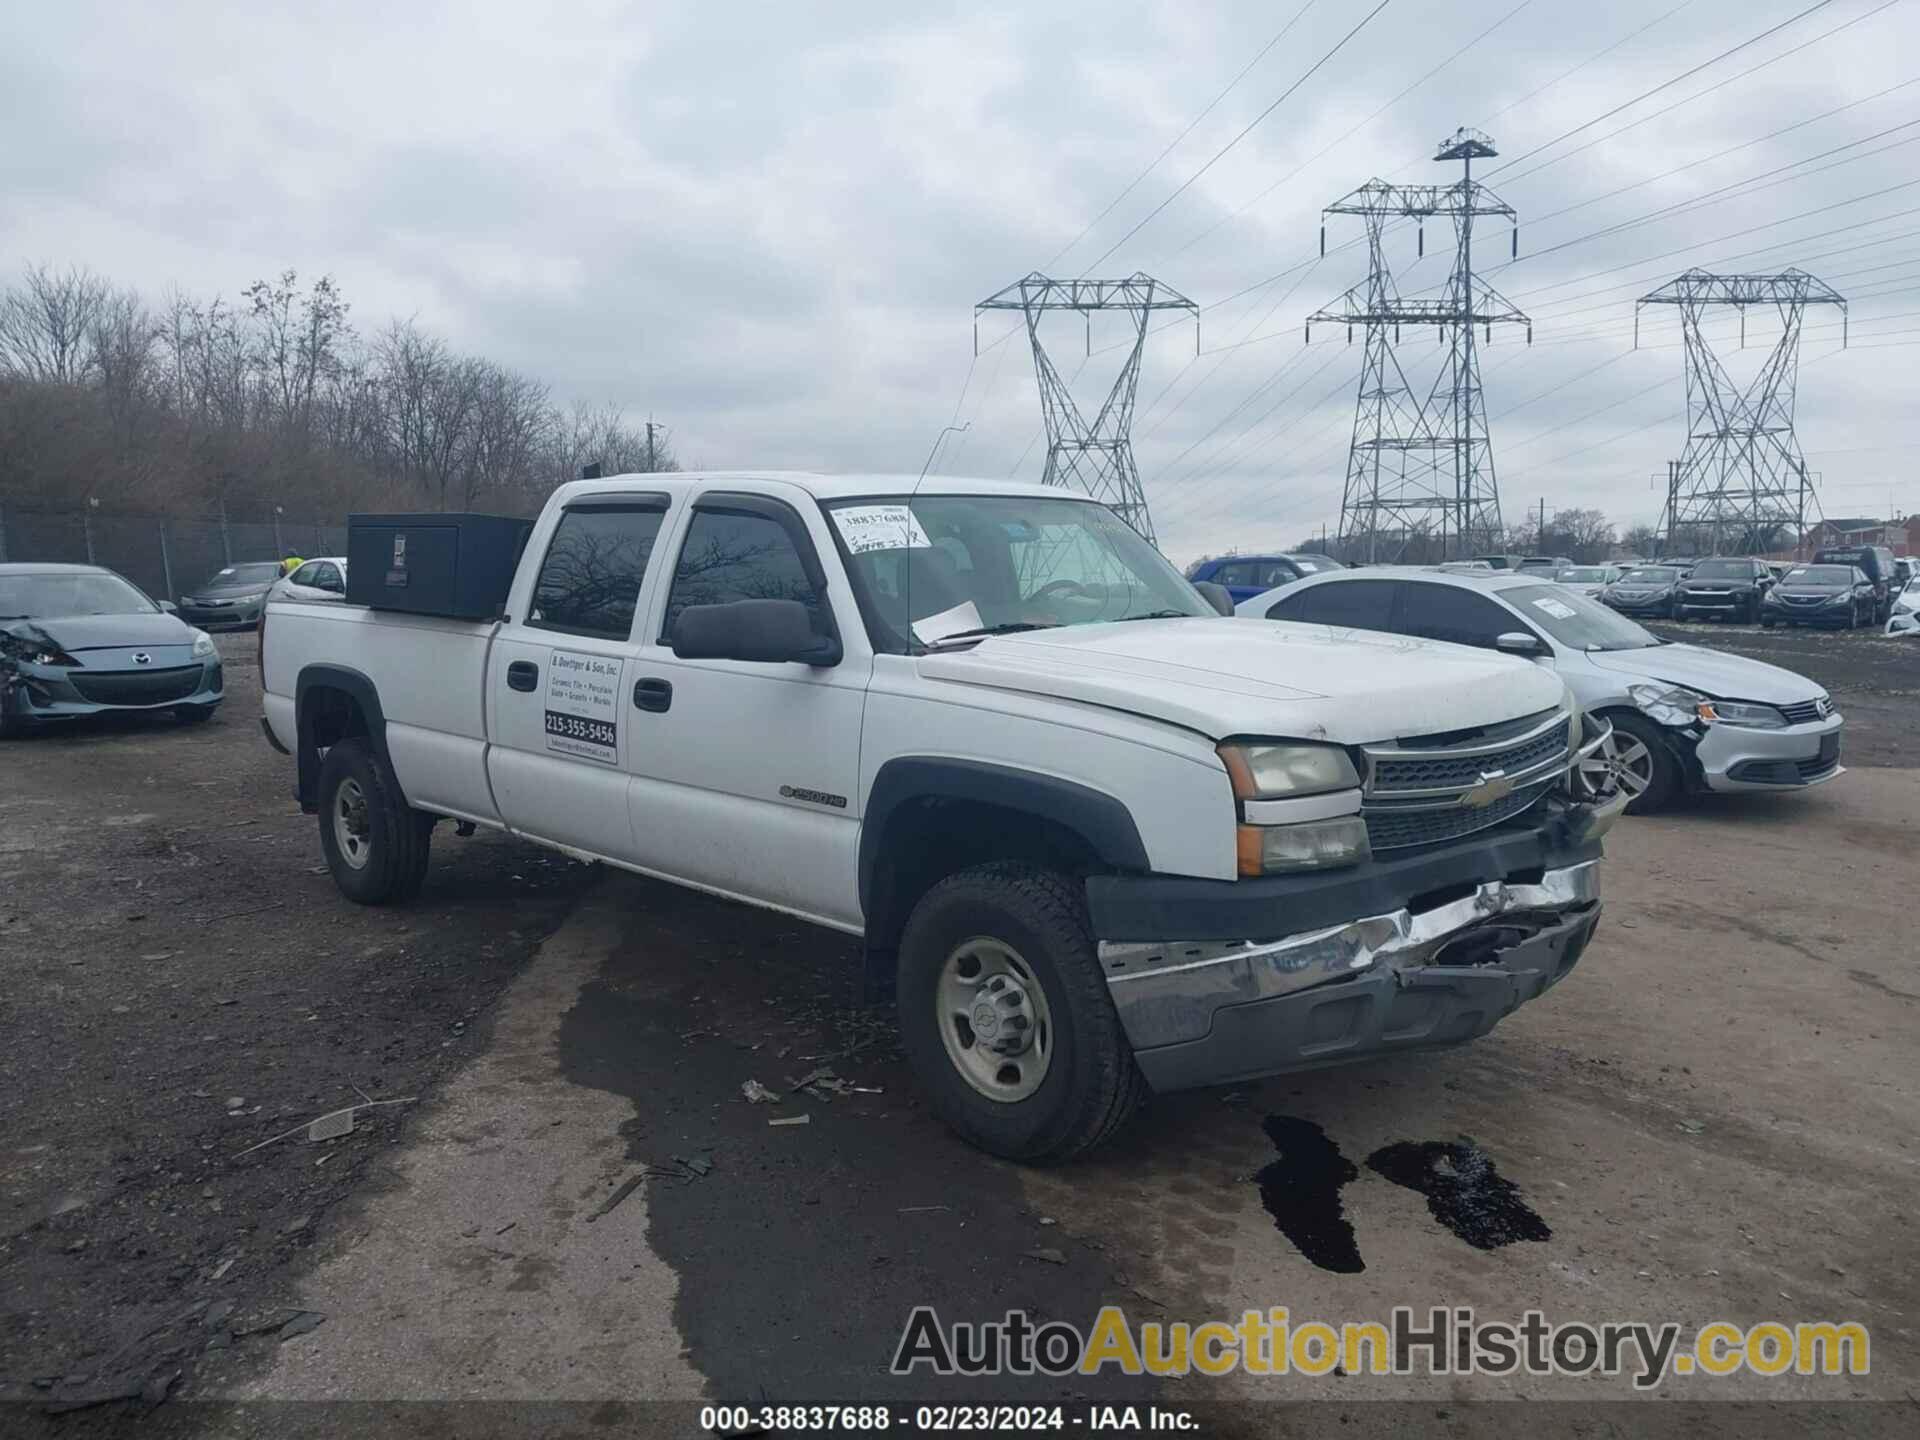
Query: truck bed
[[430, 675]]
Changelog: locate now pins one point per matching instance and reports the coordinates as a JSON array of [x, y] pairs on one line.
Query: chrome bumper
[[1167, 993]]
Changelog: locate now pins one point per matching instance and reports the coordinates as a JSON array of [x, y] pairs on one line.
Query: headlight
[[1752, 717], [1313, 845], [1843, 598], [1670, 704], [202, 645], [1279, 772]]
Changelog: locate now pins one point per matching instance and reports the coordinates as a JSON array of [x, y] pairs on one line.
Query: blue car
[[77, 640], [1246, 576]]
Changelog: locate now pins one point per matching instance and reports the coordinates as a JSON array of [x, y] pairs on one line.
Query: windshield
[[963, 563], [1650, 575], [51, 594], [1584, 574], [1722, 570], [263, 573], [1819, 575], [1575, 621]]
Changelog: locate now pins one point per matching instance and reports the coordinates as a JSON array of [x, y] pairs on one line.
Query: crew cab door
[[558, 713], [746, 775]]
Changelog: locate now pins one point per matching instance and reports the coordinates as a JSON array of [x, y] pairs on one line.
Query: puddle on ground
[[1301, 1190], [1464, 1192]]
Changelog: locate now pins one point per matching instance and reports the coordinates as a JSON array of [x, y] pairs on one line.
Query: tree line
[[273, 398]]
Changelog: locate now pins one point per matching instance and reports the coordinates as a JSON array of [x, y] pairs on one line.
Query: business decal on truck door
[[583, 706]]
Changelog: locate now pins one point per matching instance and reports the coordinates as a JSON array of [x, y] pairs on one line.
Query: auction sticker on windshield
[[1559, 609], [880, 527], [583, 706]]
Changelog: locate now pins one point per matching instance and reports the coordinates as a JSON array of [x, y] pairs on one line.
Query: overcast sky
[[767, 224]]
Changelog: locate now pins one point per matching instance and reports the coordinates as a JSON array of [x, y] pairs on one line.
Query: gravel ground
[[1711, 1117]]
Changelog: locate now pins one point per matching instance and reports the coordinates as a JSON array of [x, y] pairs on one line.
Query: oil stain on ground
[[1464, 1192], [1301, 1191]]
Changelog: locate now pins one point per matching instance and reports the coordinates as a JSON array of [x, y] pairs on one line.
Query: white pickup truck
[[1096, 838]]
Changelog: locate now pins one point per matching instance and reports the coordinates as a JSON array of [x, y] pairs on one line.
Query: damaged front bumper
[[1449, 943]]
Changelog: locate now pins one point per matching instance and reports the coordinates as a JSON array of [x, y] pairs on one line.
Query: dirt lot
[[1711, 1118]]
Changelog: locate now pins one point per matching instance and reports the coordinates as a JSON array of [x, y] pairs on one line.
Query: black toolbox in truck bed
[[457, 565]]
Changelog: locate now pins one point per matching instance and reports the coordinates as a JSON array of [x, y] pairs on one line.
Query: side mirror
[[1519, 642], [1215, 595], [169, 607], [763, 632]]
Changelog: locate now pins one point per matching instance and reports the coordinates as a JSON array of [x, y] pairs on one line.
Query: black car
[[1644, 590], [1876, 562], [1724, 589], [1838, 597], [231, 597]]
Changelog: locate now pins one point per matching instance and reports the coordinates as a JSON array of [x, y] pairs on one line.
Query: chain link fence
[[162, 556]]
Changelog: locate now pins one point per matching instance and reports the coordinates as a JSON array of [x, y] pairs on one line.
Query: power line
[[1228, 219], [1186, 184], [1663, 85], [1191, 126], [1711, 89]]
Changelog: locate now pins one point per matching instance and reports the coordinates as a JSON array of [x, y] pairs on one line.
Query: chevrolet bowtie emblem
[[1491, 789]]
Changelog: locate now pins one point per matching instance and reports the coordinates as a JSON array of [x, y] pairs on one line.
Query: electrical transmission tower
[[1417, 463], [1095, 457], [1741, 479]]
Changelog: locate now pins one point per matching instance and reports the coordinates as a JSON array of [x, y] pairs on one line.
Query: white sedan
[[1905, 619], [321, 579]]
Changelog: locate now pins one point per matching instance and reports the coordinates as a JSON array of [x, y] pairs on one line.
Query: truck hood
[[74, 633], [1228, 677], [1712, 672]]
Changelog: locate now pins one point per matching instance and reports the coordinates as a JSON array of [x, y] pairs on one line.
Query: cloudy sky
[[767, 224]]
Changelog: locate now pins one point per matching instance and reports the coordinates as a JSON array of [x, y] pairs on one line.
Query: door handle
[[522, 675], [654, 695]]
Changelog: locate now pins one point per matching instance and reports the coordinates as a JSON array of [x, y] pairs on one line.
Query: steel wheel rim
[[994, 1021], [352, 829]]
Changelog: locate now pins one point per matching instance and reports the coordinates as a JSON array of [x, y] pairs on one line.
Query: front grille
[[1464, 771], [1816, 766], [1806, 712], [137, 687], [1804, 599], [1395, 829]]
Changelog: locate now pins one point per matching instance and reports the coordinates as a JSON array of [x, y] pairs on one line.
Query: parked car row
[[1839, 589]]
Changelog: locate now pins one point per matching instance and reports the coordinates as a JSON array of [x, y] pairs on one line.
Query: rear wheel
[[375, 843], [1006, 1017], [1644, 764]]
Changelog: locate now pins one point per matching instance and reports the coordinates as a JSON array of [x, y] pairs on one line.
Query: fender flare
[[1103, 822], [306, 749]]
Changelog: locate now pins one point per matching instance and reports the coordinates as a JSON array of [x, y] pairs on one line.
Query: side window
[[327, 577], [305, 574], [735, 555], [590, 579], [1355, 604], [1460, 617], [1235, 572]]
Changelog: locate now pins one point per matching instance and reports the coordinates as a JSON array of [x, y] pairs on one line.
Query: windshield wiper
[[980, 632], [1158, 615]]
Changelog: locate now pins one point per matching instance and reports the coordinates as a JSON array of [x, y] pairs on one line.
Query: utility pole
[[650, 449], [1411, 459], [1741, 473], [1095, 457]]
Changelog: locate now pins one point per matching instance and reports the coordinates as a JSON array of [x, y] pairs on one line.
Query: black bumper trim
[[1179, 907], [1380, 1013]]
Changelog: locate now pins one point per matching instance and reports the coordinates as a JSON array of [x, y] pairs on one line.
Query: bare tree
[[46, 321]]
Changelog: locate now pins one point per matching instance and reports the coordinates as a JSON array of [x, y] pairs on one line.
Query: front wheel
[[375, 843], [1644, 764], [1006, 1017]]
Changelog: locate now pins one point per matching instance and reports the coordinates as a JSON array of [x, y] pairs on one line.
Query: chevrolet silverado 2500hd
[[1095, 837]]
